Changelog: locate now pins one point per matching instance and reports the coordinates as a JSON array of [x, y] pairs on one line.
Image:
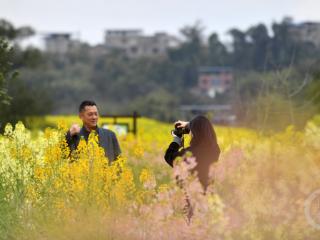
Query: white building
[[306, 32], [58, 43], [135, 44]]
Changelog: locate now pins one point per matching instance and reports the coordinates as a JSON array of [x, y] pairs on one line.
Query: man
[[88, 112]]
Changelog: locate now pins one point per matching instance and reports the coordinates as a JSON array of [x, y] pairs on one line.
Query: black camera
[[179, 131]]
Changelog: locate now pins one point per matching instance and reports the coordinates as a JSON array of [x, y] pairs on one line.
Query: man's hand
[[74, 129], [181, 124]]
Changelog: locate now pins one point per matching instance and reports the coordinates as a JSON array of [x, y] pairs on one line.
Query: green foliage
[[159, 104], [25, 102], [10, 32], [6, 73], [313, 91], [30, 57], [17, 99], [217, 52], [272, 101], [265, 65]]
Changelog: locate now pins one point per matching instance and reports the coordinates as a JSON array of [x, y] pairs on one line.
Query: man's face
[[89, 116]]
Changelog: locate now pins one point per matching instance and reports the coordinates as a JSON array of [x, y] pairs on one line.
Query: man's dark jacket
[[107, 140]]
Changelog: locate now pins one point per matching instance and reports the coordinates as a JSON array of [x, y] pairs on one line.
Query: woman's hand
[[181, 124]]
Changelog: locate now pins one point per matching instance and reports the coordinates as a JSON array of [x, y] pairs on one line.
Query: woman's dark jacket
[[205, 156]]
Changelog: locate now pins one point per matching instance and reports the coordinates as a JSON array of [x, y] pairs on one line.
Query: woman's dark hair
[[204, 147], [86, 103], [203, 132]]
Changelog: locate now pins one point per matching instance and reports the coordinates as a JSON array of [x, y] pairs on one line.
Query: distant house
[[61, 43], [306, 32], [212, 80], [57, 43], [136, 45]]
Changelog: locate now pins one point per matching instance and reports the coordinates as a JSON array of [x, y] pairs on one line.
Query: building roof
[[207, 69], [58, 35]]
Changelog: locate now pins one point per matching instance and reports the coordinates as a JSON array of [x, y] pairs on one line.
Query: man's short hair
[[86, 103]]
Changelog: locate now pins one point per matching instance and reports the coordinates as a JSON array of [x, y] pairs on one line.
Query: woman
[[203, 146]]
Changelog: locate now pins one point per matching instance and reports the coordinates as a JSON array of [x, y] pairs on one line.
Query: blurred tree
[[158, 104], [241, 50], [191, 53], [30, 58], [312, 92], [17, 99], [217, 52], [26, 102], [271, 101], [119, 82], [283, 46], [6, 71], [9, 32], [260, 46], [192, 46]]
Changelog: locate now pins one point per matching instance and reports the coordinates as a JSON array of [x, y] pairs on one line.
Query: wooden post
[[135, 116]]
